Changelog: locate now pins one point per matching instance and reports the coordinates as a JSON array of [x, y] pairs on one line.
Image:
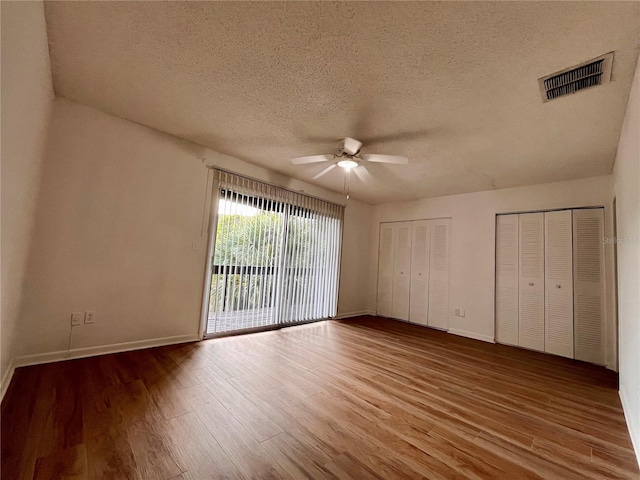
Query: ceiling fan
[[348, 157]]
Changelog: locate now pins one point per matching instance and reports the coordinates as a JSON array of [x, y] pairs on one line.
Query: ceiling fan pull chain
[[347, 175]]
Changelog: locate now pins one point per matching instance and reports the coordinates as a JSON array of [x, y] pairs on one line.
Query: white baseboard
[[101, 350], [635, 435], [6, 378], [354, 314], [475, 336]]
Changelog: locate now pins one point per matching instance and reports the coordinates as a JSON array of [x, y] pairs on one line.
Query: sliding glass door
[[275, 257]]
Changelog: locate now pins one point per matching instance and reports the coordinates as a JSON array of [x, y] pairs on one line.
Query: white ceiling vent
[[571, 80]]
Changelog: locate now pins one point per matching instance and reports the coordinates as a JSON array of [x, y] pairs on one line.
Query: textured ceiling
[[451, 85]]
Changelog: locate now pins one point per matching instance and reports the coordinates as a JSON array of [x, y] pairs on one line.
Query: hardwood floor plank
[[68, 464], [198, 451], [144, 426], [261, 427], [281, 408], [110, 456], [614, 458], [18, 415], [524, 457], [405, 453], [242, 448], [300, 459], [578, 463], [347, 467], [467, 445], [154, 457], [164, 392], [360, 398], [178, 361], [62, 427], [184, 476]]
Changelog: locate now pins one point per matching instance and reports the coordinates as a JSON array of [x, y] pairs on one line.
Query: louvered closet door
[[588, 260], [531, 281], [558, 246], [385, 270], [420, 248], [401, 271], [507, 279], [438, 316]]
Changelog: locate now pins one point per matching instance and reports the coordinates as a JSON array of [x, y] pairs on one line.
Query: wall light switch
[[76, 318], [89, 316]]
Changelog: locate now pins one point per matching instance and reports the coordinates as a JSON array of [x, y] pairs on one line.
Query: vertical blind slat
[[260, 261], [280, 282], [242, 254], [312, 296], [231, 305], [305, 267]]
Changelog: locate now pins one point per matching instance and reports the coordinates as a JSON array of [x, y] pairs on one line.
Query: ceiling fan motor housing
[[350, 146]]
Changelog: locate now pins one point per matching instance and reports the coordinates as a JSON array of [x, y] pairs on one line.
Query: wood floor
[[358, 399]]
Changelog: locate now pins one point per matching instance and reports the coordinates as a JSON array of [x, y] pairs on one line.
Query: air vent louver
[[589, 74]]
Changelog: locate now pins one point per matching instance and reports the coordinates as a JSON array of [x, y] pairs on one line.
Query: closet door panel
[[401, 271], [507, 279], [531, 281], [559, 283], [588, 300], [385, 270], [438, 307], [420, 249]]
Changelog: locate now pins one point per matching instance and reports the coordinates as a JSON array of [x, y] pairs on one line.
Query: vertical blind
[[276, 257]]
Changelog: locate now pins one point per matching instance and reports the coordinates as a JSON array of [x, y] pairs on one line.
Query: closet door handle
[[558, 286], [531, 284]]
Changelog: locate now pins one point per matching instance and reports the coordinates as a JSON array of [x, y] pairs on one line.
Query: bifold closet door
[[438, 308], [385, 270], [531, 281], [420, 248], [507, 279], [588, 260], [401, 271], [558, 307]]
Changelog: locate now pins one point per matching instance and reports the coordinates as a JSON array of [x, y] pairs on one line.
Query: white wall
[[27, 95], [120, 207], [627, 189], [355, 265], [472, 265]]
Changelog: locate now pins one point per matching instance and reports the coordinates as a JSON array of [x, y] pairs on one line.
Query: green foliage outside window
[[256, 241]]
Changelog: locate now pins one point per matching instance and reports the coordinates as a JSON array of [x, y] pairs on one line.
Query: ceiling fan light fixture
[[348, 164]]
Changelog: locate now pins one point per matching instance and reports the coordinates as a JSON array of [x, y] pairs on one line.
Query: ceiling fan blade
[[311, 159], [374, 157], [326, 170], [363, 174]]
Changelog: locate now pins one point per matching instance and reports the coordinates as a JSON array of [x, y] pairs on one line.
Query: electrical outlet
[[459, 312], [89, 316], [76, 318]]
